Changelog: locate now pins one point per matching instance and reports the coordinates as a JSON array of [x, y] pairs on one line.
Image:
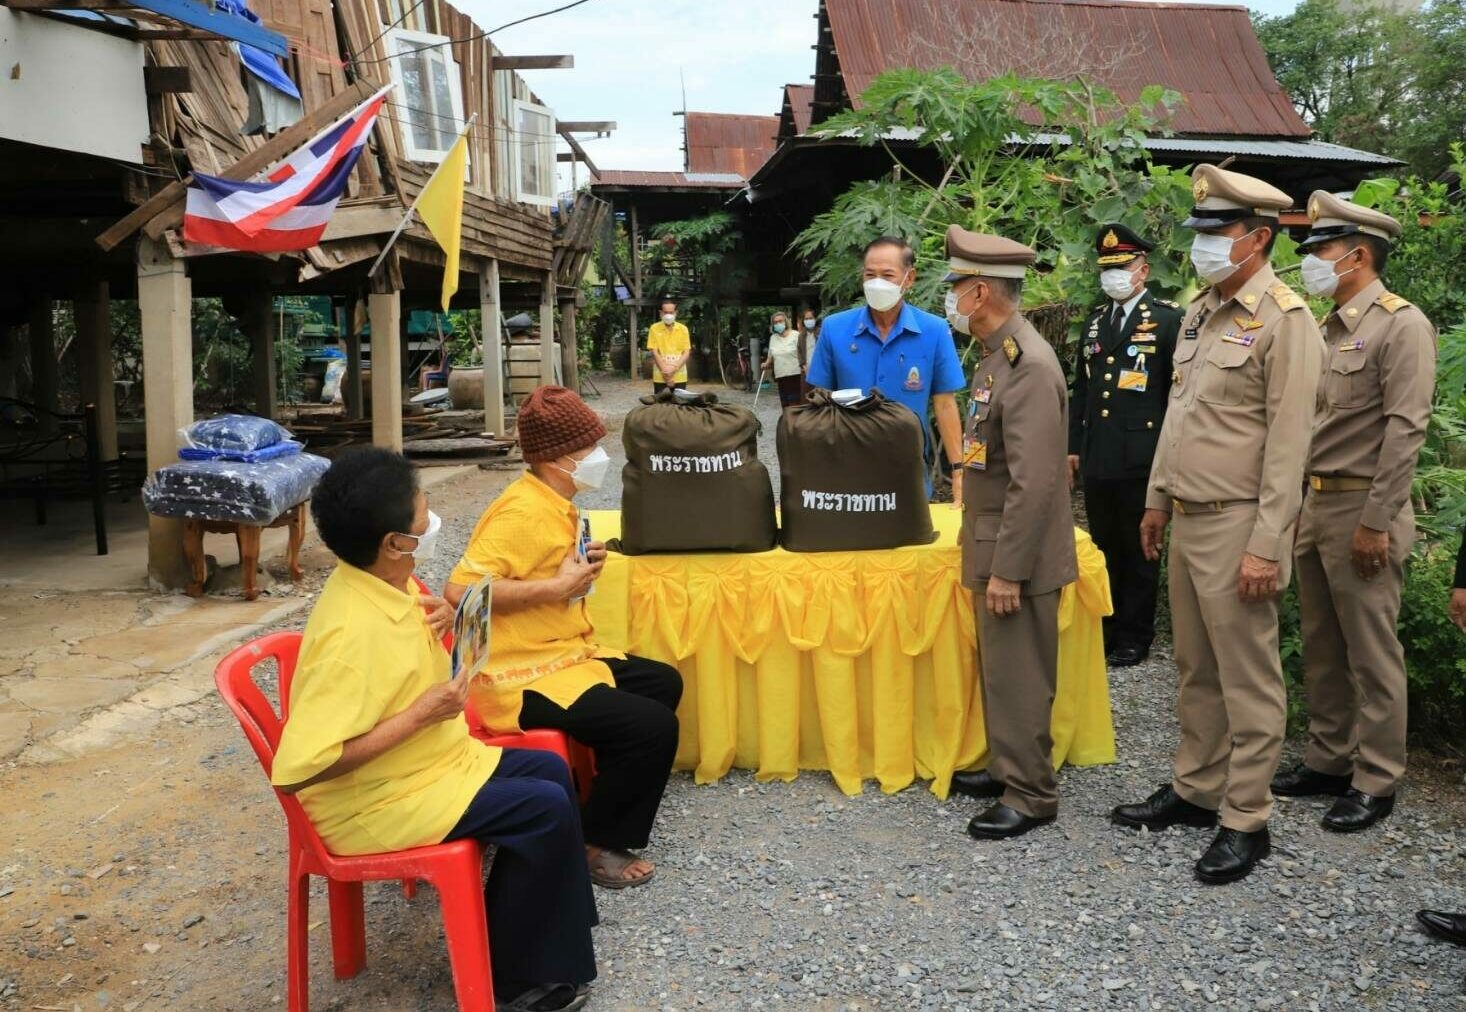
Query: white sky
[[632, 57]]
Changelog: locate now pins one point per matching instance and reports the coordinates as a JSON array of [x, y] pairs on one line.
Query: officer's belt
[[1185, 508], [1320, 483]]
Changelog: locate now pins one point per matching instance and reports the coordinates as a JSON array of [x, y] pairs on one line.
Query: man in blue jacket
[[905, 352]]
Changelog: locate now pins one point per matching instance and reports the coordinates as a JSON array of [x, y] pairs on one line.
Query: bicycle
[[734, 365]]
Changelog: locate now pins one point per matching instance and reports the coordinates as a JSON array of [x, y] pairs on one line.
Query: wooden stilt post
[[352, 393], [164, 299], [569, 345], [385, 309], [45, 381], [634, 337], [547, 329], [493, 347], [91, 307]]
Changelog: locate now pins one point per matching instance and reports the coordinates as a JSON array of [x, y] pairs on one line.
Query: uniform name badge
[[1136, 378], [975, 455]]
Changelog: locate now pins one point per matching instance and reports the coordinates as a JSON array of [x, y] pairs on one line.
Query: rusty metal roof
[[721, 142], [798, 99], [1208, 53], [632, 178]]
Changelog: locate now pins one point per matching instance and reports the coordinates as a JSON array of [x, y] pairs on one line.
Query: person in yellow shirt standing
[[671, 347], [546, 669], [377, 749]]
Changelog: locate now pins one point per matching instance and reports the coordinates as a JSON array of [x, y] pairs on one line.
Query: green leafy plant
[[1040, 161]]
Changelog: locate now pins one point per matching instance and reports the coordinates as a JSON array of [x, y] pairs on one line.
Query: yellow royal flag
[[441, 207]]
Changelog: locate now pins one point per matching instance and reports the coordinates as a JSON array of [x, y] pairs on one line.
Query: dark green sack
[[693, 481], [851, 477]]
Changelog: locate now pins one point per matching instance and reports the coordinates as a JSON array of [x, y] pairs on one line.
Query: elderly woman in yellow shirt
[[546, 668], [377, 749]]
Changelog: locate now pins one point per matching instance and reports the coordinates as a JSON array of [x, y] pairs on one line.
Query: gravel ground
[[795, 896], [787, 896]]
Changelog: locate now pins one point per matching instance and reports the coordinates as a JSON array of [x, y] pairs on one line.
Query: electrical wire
[[479, 35]]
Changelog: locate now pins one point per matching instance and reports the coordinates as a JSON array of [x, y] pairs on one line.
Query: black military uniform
[[1122, 378]]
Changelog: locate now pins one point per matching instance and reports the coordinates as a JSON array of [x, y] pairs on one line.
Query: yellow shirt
[[673, 340], [366, 655], [550, 648]]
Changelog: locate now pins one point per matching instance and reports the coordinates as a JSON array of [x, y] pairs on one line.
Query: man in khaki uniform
[[1230, 467], [1017, 531], [1357, 524]]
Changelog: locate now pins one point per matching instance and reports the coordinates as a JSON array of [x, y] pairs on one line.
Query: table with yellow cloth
[[860, 663]]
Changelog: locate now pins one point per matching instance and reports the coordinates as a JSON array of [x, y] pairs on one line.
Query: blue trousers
[[538, 891]]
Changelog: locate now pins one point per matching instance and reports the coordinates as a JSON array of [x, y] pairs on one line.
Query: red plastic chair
[[578, 757], [454, 869]]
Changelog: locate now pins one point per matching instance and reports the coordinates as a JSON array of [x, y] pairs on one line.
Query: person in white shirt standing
[[788, 358]]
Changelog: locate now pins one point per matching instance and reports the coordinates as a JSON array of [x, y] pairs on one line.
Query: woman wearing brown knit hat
[[546, 669]]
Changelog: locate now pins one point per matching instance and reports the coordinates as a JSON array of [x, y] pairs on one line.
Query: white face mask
[[1318, 274], [669, 318], [809, 322], [881, 294], [1211, 255], [959, 322], [1118, 283], [427, 541], [590, 471]]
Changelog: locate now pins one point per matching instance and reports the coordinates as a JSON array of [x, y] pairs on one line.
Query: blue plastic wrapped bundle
[[233, 490], [234, 433], [284, 448]]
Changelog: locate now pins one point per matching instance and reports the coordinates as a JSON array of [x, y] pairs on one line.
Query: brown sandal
[[608, 868]]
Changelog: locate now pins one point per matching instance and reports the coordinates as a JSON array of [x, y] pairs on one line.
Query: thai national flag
[[290, 207]]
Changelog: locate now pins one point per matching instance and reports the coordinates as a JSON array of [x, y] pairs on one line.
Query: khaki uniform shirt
[[1242, 402], [1016, 521], [1378, 380]]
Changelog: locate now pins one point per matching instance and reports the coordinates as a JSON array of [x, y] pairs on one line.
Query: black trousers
[[538, 892], [1115, 507], [633, 731], [656, 389]]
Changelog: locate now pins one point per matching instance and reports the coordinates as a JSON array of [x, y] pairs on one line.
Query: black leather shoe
[[1163, 809], [1003, 823], [1450, 927], [1232, 855], [1302, 782], [977, 784], [1127, 656], [1357, 810]]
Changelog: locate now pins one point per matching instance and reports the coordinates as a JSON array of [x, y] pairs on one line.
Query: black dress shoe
[[1003, 823], [977, 784], [1127, 656], [1163, 809], [1232, 855], [1302, 782], [1357, 810], [1451, 927]]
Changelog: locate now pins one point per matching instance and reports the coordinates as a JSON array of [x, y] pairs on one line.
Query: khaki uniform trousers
[[1231, 700], [1353, 663], [1018, 656]]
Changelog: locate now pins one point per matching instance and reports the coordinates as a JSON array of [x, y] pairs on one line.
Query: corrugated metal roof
[[720, 142], [1314, 150], [1208, 53], [798, 99], [668, 180]]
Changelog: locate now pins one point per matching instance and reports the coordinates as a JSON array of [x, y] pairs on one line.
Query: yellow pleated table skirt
[[860, 663]]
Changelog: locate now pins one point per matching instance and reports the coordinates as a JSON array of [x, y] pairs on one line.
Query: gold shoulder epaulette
[[1391, 302], [1168, 303], [1011, 349], [1286, 298]]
